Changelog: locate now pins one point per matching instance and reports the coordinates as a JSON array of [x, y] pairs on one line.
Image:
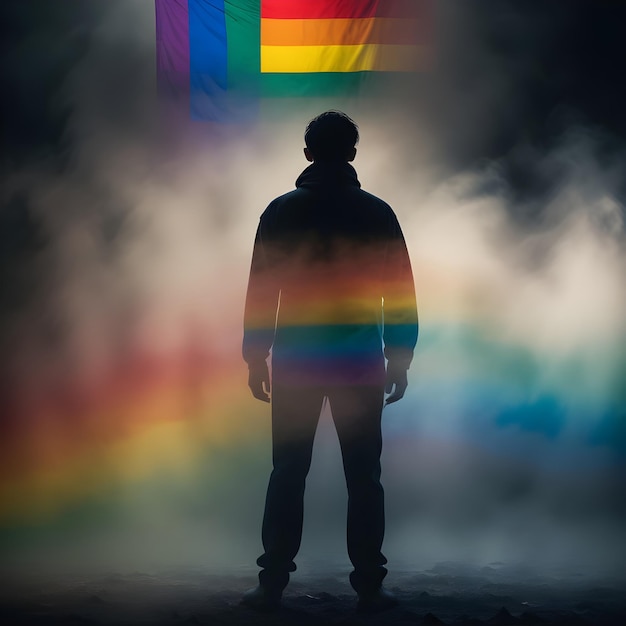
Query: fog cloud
[[126, 249]]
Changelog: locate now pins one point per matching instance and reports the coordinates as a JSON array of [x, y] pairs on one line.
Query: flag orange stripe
[[324, 32]]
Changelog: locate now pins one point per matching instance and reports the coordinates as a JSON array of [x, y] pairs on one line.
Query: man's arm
[[260, 317], [400, 314]]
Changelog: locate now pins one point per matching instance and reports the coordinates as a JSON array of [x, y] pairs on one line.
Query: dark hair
[[331, 136]]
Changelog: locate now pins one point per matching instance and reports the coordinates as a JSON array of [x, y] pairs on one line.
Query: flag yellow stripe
[[356, 58], [322, 32]]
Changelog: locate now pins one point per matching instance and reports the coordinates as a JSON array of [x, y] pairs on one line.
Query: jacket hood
[[321, 175]]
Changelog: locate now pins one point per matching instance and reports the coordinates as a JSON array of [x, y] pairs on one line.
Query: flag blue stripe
[[208, 59]]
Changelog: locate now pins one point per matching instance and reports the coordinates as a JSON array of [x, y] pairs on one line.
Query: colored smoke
[[130, 439]]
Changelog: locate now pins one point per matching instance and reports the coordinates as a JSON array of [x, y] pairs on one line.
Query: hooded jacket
[[331, 289]]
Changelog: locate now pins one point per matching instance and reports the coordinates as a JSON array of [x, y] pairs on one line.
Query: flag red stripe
[[328, 9]]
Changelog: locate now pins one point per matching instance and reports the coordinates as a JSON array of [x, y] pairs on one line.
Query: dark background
[[521, 72]]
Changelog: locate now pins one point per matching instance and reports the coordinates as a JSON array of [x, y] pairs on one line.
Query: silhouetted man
[[331, 295]]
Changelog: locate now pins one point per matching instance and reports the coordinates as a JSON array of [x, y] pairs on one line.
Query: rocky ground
[[446, 594]]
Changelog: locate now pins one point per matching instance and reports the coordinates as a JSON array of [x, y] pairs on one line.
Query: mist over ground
[[130, 439]]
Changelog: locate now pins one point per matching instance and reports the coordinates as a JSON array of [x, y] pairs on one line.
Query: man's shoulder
[[294, 196], [374, 201], [285, 204]]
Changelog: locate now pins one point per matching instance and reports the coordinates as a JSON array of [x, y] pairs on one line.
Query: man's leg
[[295, 415], [357, 415]]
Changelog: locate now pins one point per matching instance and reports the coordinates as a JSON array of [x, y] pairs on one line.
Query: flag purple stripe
[[172, 32]]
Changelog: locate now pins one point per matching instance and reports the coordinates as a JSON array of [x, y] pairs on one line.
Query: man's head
[[331, 136]]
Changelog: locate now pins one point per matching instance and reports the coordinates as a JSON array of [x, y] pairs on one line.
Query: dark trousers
[[356, 413]]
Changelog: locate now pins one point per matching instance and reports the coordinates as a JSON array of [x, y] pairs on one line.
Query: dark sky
[[559, 64]]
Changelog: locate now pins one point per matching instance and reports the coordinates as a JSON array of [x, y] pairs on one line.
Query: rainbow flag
[[221, 56]]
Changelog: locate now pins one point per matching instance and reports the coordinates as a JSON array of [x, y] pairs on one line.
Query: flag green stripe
[[243, 28], [309, 84]]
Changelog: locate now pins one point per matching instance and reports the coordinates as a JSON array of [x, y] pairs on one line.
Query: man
[[331, 294]]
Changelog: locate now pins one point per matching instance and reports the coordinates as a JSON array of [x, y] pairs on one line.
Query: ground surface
[[446, 594]]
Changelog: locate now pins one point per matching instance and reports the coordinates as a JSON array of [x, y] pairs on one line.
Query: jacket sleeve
[[399, 304], [261, 302]]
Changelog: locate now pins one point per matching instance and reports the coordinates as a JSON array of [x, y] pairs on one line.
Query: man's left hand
[[259, 381]]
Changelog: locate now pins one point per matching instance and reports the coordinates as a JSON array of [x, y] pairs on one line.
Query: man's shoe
[[261, 598], [376, 601]]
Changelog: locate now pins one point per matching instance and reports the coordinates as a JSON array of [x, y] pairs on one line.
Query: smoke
[[131, 437]]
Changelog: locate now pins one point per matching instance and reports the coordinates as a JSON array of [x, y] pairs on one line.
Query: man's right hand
[[259, 381], [397, 382]]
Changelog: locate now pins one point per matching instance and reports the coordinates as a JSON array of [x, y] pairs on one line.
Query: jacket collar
[[328, 174]]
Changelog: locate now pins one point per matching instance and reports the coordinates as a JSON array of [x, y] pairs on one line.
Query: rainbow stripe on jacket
[[331, 288]]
